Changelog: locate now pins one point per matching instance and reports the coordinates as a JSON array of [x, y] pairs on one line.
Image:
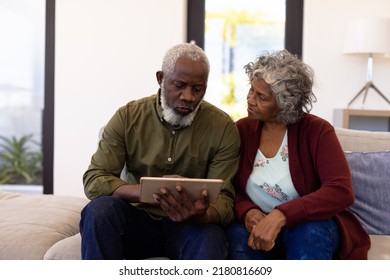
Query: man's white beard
[[174, 118]]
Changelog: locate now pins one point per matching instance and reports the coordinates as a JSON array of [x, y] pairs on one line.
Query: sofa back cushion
[[362, 140], [371, 181]]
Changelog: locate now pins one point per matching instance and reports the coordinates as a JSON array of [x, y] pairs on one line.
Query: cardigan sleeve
[[319, 171]]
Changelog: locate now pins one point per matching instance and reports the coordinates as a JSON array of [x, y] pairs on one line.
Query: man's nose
[[187, 94]]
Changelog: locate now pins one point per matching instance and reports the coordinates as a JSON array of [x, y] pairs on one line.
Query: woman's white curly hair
[[290, 79]]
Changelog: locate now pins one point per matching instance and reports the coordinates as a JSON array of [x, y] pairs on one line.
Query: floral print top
[[270, 182]]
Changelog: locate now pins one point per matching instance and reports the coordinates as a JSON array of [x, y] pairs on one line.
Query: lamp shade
[[368, 35]]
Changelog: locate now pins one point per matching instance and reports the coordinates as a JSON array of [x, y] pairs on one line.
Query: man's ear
[[159, 77]]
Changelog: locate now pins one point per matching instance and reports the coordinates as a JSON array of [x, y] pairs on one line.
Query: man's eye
[[179, 85], [198, 89]]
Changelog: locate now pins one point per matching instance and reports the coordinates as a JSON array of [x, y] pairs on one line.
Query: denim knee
[[197, 242], [237, 235], [104, 206], [316, 240]]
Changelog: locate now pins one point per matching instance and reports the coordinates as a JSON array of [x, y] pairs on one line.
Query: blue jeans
[[114, 229], [317, 240]]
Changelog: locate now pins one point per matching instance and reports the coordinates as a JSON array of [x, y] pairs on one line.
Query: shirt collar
[[159, 108]]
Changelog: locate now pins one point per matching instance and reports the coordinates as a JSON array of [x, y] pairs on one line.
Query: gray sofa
[[47, 226], [368, 154]]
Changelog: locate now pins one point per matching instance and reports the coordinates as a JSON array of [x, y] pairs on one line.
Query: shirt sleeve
[[224, 165], [103, 174]]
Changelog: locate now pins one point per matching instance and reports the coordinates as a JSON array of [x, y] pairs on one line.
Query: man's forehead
[[189, 72]]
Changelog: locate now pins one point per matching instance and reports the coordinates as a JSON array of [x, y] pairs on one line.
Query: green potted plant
[[19, 162]]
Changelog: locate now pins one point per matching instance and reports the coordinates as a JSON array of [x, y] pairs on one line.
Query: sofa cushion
[[380, 247], [371, 181], [65, 249], [31, 224], [363, 140]]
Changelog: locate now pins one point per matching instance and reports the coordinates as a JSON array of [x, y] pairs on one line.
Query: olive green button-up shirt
[[137, 137]]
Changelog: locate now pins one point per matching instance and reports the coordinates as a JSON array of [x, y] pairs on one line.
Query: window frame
[[48, 110], [293, 27]]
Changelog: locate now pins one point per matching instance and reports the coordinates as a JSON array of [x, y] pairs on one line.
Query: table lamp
[[368, 36]]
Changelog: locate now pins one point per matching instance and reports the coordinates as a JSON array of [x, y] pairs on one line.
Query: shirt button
[[173, 132], [169, 159]]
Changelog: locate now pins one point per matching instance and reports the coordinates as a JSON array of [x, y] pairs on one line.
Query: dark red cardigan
[[320, 174]]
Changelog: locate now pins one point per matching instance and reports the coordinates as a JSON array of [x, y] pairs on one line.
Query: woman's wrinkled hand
[[252, 217], [265, 232]]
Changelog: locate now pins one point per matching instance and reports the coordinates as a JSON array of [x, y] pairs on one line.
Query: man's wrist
[[211, 216]]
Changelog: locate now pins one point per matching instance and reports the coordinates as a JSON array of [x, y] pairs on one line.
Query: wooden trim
[[348, 113], [345, 119], [48, 111], [370, 113]]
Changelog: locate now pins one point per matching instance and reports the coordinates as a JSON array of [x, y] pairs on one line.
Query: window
[[22, 29], [234, 33], [25, 77]]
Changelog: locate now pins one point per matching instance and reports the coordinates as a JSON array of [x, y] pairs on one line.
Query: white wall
[[339, 76], [107, 53]]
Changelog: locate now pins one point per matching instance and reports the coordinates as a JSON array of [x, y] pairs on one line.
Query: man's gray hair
[[290, 79], [188, 50]]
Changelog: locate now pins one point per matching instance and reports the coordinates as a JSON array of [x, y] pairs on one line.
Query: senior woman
[[293, 185]]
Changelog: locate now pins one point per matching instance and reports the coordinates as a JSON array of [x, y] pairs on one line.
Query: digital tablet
[[193, 187]]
